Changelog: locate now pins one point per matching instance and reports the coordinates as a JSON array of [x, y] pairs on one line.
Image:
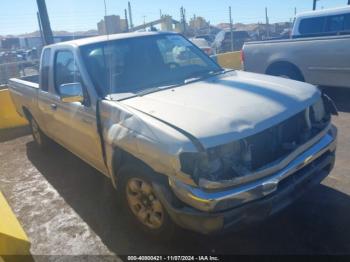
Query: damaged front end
[[221, 168]]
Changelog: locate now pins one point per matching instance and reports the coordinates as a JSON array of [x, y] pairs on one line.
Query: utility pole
[[130, 16], [295, 11], [267, 23], [160, 13], [126, 20], [45, 22], [231, 27], [314, 6], [183, 19]]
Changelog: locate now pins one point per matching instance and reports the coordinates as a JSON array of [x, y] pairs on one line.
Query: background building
[[167, 23], [112, 24]]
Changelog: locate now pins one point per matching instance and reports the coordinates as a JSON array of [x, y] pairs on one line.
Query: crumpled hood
[[227, 107]]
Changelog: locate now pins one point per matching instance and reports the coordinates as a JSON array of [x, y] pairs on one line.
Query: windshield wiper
[[154, 89], [202, 75]]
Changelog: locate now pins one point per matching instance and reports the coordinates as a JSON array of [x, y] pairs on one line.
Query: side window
[[311, 26], [45, 67], [347, 22], [335, 23], [181, 54], [66, 70]]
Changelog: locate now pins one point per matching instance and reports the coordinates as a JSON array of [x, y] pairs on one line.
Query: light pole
[[45, 22], [231, 27]]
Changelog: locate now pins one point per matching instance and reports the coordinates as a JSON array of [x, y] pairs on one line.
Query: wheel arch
[[121, 157], [283, 64]]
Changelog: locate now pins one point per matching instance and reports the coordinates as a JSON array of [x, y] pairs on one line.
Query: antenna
[[109, 57]]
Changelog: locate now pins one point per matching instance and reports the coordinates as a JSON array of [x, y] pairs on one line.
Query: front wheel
[[142, 204], [41, 140]]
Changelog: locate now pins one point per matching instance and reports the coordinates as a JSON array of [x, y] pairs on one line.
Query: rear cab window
[[312, 26], [45, 68], [347, 23], [335, 24], [326, 25]]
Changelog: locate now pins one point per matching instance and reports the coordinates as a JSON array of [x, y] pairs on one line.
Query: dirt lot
[[66, 207]]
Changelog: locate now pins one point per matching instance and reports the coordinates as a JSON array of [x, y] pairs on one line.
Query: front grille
[[278, 141]]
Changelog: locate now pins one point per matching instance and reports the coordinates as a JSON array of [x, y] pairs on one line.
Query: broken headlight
[[218, 163]]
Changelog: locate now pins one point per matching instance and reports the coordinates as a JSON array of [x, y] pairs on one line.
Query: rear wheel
[[39, 137], [142, 204]]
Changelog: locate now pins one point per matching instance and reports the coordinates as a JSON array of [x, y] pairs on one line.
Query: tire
[[40, 139], [286, 71], [141, 204]]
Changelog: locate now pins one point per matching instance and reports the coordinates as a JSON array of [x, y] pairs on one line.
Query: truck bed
[[24, 92], [303, 39], [323, 61]]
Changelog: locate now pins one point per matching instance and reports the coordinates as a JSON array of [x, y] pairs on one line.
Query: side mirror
[[72, 92]]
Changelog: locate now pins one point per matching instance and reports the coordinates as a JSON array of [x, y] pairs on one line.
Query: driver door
[[75, 123]]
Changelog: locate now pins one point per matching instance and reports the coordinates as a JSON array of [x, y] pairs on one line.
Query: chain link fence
[[18, 69]]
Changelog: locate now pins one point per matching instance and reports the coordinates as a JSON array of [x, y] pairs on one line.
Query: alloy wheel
[[144, 204]]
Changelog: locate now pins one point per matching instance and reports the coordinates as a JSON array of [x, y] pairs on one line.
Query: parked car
[[203, 45], [323, 59], [222, 40], [209, 38], [325, 22], [185, 143]]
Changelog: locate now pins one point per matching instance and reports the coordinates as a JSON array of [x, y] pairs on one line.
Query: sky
[[19, 16]]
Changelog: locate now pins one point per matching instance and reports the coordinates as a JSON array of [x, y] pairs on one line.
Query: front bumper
[[232, 208]]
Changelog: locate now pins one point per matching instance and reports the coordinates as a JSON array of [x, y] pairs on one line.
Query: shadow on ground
[[317, 223], [13, 133]]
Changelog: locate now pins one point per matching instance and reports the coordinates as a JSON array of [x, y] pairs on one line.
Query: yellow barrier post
[[230, 60], [8, 115], [13, 239]]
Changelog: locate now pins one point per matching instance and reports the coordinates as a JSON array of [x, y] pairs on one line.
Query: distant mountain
[[56, 33]]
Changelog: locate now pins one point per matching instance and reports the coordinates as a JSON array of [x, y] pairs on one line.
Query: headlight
[[318, 111], [194, 163], [222, 162]]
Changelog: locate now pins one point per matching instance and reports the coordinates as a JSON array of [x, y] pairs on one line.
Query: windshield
[[134, 65]]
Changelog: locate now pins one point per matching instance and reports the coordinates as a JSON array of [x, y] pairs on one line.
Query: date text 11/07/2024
[[173, 258]]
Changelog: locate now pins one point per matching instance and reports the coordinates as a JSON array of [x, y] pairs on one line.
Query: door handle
[[86, 121], [53, 106]]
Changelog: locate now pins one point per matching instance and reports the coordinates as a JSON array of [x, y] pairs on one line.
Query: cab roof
[[104, 38], [324, 12]]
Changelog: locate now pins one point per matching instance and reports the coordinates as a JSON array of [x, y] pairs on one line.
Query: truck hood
[[227, 107]]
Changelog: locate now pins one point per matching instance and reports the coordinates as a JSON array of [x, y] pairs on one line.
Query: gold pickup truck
[[184, 141]]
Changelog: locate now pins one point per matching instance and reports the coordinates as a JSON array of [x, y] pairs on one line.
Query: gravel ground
[[68, 208]]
